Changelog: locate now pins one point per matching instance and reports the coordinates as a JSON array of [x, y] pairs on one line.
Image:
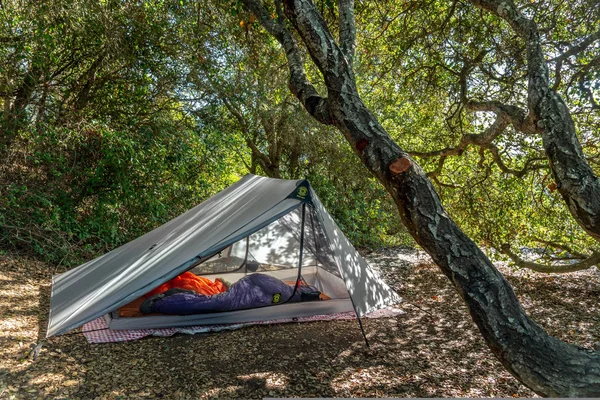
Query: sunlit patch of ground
[[433, 350]]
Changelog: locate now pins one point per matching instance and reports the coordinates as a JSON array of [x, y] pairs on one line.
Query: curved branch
[[342, 89], [299, 84], [529, 166], [518, 118], [485, 142], [438, 170], [576, 181], [482, 140], [585, 43], [589, 262], [562, 247]]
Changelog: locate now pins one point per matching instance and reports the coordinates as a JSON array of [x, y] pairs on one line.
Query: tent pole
[[301, 241], [246, 255], [301, 251], [362, 330], [299, 256]]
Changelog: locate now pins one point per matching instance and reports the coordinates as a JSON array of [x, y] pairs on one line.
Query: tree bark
[[547, 365]]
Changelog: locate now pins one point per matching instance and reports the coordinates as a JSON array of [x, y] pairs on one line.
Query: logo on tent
[[302, 192], [276, 297]]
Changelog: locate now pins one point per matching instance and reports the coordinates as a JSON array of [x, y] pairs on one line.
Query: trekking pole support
[[362, 329]]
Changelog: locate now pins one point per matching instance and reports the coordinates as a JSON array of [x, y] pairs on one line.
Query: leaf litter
[[433, 350]]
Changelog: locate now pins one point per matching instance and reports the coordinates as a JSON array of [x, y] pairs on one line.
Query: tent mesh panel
[[275, 250]]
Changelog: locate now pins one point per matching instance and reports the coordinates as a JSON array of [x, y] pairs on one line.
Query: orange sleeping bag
[[190, 281]]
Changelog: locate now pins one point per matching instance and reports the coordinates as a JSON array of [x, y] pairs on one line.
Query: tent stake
[[36, 350]]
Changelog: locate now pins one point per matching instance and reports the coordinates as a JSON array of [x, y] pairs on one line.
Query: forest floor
[[432, 350]]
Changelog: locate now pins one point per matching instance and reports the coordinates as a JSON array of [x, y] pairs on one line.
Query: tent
[[260, 225]]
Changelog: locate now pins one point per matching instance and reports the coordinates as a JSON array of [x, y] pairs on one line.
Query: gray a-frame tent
[[273, 226]]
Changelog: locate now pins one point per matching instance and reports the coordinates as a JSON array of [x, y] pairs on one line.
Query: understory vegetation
[[117, 116], [114, 122]]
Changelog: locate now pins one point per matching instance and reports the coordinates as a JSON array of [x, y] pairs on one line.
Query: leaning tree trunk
[[547, 365]]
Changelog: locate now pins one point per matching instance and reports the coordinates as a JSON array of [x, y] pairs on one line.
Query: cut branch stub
[[400, 165], [362, 144]]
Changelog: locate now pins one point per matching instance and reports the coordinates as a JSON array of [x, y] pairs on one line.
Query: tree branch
[[584, 44], [347, 29], [518, 118], [518, 173], [482, 140], [557, 75], [576, 181], [562, 247], [263, 159], [485, 142], [589, 262], [236, 114], [342, 89], [299, 84], [464, 73]]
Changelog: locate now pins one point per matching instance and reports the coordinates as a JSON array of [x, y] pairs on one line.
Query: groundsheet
[[97, 331]]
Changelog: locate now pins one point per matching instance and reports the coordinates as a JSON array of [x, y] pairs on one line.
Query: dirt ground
[[432, 350]]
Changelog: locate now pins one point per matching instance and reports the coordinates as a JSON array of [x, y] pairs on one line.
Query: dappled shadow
[[564, 304], [432, 350], [367, 290]]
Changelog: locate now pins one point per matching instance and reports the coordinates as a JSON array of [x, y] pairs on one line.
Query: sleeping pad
[[256, 290], [190, 281]]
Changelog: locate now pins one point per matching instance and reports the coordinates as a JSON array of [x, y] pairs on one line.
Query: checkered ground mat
[[97, 331]]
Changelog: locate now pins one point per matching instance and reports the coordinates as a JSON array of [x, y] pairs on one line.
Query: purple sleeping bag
[[256, 290]]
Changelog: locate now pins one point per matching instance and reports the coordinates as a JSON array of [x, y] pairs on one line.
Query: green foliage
[[362, 209], [101, 148], [105, 144], [86, 191], [116, 116], [411, 58]]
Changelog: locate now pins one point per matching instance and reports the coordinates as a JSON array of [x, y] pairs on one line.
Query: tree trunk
[[294, 161], [543, 363], [16, 118]]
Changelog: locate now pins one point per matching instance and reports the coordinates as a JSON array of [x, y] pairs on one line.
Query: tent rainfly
[[260, 225]]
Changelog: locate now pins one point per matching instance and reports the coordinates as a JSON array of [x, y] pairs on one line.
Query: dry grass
[[432, 350]]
